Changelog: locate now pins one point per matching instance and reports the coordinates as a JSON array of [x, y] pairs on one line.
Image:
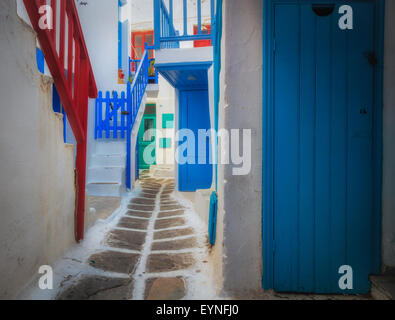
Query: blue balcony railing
[[165, 34], [152, 71]]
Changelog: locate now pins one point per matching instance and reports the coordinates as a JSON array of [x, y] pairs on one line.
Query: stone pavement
[[152, 251]]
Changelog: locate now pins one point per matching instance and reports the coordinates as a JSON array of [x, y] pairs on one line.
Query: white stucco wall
[[165, 103], [239, 216], [37, 190], [388, 199], [99, 22]]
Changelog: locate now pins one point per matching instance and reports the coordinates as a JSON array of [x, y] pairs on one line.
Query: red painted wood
[[202, 43], [74, 90], [62, 31]]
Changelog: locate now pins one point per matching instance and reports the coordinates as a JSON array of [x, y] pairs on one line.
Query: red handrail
[[75, 83]]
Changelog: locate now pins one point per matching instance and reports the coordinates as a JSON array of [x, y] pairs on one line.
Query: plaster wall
[[165, 104], [388, 197], [99, 22], [37, 190], [239, 235]]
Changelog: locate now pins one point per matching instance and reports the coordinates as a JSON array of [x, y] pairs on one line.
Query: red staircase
[[74, 80]]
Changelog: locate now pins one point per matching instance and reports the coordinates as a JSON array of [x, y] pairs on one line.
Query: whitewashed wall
[[37, 190], [237, 257], [99, 22]]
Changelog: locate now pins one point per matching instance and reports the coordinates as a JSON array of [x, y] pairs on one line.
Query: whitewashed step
[[111, 147], [108, 160], [105, 189], [106, 174]]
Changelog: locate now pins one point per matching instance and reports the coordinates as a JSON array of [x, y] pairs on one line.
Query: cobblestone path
[[151, 253]]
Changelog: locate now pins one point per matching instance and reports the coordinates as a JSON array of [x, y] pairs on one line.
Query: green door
[[147, 142]]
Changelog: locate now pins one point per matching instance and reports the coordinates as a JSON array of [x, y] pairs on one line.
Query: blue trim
[[119, 45], [165, 34], [268, 136], [212, 223], [217, 72], [185, 65], [40, 61]]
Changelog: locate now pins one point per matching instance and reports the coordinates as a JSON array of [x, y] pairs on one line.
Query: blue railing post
[[107, 126], [213, 22], [157, 24], [100, 116], [128, 134], [171, 16], [185, 18]]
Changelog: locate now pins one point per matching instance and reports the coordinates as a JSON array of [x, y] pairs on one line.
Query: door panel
[[195, 115], [323, 105]]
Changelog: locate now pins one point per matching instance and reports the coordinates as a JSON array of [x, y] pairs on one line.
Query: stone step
[[105, 189], [106, 174], [109, 160], [383, 286], [111, 147]]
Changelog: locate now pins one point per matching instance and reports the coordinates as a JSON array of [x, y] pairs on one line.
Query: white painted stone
[[37, 189]]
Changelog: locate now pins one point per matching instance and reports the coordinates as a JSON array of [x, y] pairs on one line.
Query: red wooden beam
[[74, 90]]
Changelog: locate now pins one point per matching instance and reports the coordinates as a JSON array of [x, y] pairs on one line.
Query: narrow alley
[[197, 150], [152, 248]]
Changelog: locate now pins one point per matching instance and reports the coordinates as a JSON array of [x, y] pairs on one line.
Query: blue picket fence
[[165, 34], [116, 113], [111, 115]]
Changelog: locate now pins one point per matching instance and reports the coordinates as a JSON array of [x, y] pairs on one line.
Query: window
[[149, 127], [139, 38]]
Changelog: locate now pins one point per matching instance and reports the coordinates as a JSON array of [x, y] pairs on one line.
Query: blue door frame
[[268, 245]]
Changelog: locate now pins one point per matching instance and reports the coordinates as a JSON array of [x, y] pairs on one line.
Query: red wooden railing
[[74, 80]]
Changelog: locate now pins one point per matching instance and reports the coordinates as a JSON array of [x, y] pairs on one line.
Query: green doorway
[[147, 138]]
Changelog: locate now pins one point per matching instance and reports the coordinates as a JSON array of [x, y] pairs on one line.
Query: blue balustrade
[[116, 113], [165, 34]]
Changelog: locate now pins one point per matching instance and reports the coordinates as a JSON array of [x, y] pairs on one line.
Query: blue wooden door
[[323, 110], [194, 115]]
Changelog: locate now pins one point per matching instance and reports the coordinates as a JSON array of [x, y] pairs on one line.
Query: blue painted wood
[[194, 115], [306, 143], [216, 30], [185, 17], [199, 9], [186, 76], [137, 159], [212, 224], [107, 119], [323, 149], [40, 61], [164, 31]]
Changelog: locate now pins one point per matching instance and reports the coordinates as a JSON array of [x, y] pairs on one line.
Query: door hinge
[[274, 45]]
